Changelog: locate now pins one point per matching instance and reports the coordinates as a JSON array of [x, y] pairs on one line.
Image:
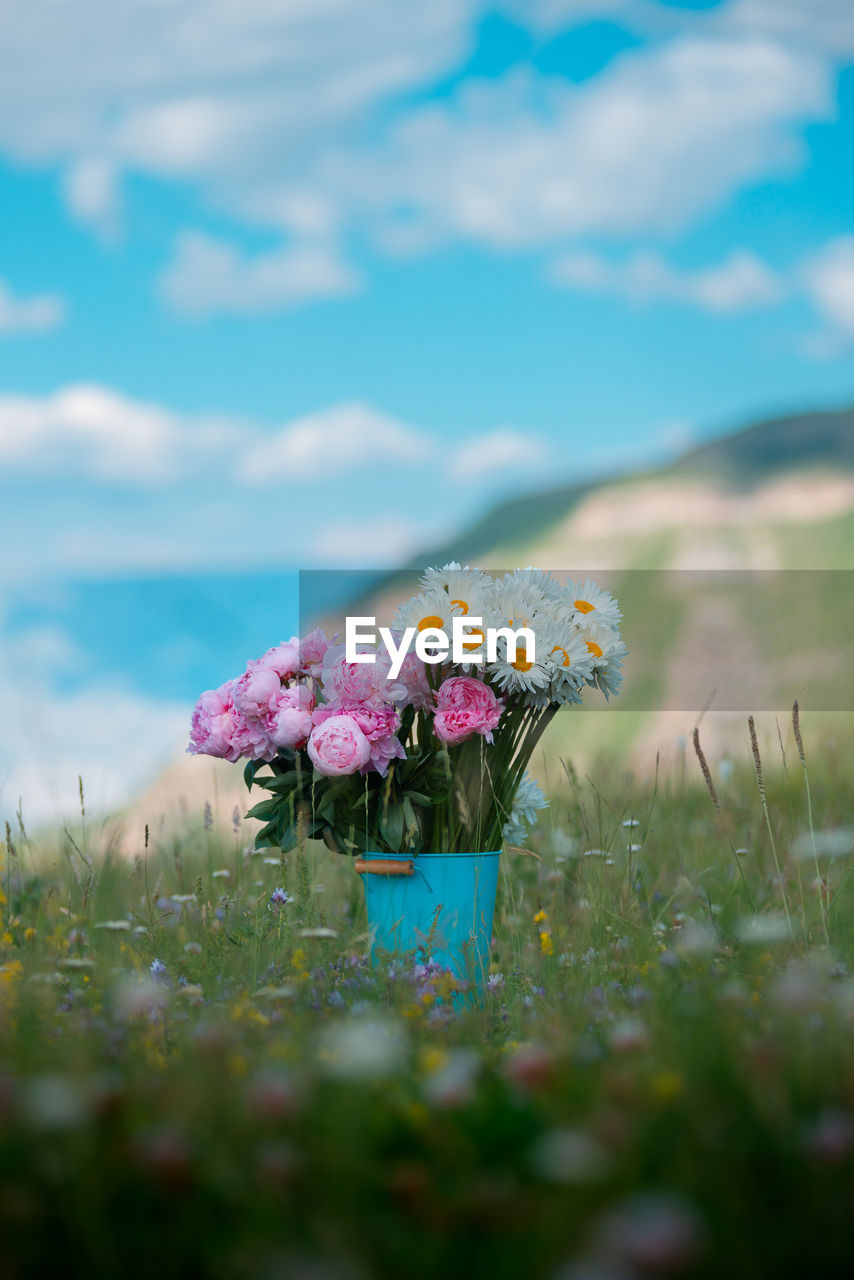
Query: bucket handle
[[383, 867]]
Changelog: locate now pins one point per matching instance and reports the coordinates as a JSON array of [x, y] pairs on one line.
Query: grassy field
[[200, 1080]]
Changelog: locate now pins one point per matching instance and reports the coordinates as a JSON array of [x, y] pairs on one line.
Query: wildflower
[[363, 1049], [523, 815], [546, 944], [279, 897], [495, 983], [452, 1083], [831, 1137], [531, 1067], [540, 917], [765, 928], [157, 968], [653, 1233], [667, 1085], [629, 1035], [54, 1102], [568, 1156]]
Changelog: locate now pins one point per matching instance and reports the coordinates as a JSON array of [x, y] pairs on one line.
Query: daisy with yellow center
[[593, 602]]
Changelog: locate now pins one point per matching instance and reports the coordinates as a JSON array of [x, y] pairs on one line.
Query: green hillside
[[758, 452], [673, 544], [737, 462]]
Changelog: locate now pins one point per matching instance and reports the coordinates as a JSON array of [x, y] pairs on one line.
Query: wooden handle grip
[[384, 867]]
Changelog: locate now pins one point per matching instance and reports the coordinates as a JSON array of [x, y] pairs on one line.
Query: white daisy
[[609, 678], [530, 672], [518, 601], [528, 681], [607, 650], [458, 582], [436, 608], [592, 601], [571, 662], [599, 638]]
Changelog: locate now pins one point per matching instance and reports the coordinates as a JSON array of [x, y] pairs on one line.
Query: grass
[[660, 1081]]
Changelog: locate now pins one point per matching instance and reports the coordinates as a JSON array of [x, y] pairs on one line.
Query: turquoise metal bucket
[[445, 904]]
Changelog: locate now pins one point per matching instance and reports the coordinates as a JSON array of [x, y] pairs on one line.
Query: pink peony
[[412, 680], [383, 751], [379, 721], [290, 728], [338, 746], [256, 690], [284, 659], [289, 722], [215, 723], [465, 706], [312, 650], [345, 682]]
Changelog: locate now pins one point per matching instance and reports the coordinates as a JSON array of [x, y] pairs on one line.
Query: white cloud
[[824, 24], [340, 438], [367, 543], [660, 136], [96, 432], [90, 188], [219, 91], [88, 428], [297, 114], [208, 275], [500, 450], [37, 314], [828, 280], [742, 281]]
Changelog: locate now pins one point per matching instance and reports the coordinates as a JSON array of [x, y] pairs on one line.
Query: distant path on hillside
[[717, 649]]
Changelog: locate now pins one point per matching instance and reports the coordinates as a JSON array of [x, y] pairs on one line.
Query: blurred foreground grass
[[198, 1079]]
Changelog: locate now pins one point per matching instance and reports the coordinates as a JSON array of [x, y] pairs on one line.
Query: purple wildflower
[[279, 897]]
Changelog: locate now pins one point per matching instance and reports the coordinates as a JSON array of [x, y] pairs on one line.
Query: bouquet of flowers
[[425, 753]]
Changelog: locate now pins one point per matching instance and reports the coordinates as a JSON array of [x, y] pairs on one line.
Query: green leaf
[[418, 797], [249, 772], [391, 826], [268, 835], [265, 810], [282, 783], [410, 819]]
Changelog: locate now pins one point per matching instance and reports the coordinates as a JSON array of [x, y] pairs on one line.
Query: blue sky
[[464, 250], [315, 282]]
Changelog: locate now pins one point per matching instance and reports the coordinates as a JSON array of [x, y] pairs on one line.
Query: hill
[[716, 559], [733, 464]]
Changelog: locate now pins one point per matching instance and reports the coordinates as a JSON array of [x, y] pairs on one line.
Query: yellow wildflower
[[667, 1085], [237, 1064], [432, 1058], [546, 944]]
